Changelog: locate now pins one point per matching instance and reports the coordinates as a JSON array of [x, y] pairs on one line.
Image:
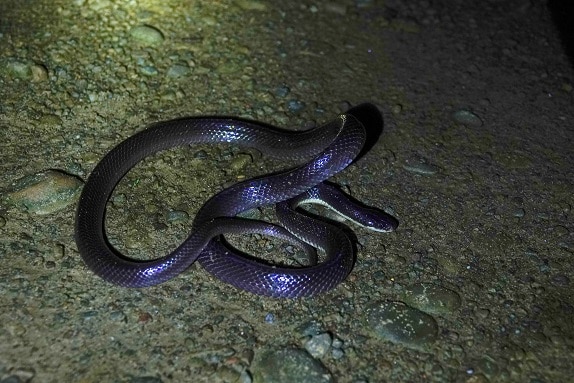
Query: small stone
[[39, 73], [58, 250], [295, 106], [200, 155], [118, 316], [467, 118], [363, 3], [147, 35], [431, 299], [251, 5], [119, 199], [399, 323], [337, 343], [339, 9], [11, 379], [229, 67], [17, 69], [145, 379], [421, 168], [149, 70], [270, 318], [177, 216], [560, 280], [560, 231], [397, 109], [240, 161], [288, 365], [477, 378], [19, 375], [337, 353], [318, 346], [50, 120], [310, 328], [45, 192]]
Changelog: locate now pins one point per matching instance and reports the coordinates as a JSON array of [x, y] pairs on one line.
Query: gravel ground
[[475, 161]]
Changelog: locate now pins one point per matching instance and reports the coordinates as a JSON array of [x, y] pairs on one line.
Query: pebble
[[560, 231], [337, 351], [364, 3], [240, 161], [118, 316], [431, 299], [147, 35], [478, 378], [145, 379], [337, 343], [178, 70], [11, 379], [270, 318], [399, 323], [421, 168], [560, 280], [50, 120], [467, 118], [251, 5], [39, 73], [177, 216], [282, 91], [339, 9], [17, 69], [295, 106], [310, 328], [18, 375], [45, 192], [89, 315], [318, 346], [288, 365], [58, 250], [226, 374]]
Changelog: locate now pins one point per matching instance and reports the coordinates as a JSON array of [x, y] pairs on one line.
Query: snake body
[[332, 147]]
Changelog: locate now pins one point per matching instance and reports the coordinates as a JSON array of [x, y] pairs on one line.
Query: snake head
[[377, 220]]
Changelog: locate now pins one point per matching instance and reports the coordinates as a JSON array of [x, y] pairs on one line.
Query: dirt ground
[[475, 161]]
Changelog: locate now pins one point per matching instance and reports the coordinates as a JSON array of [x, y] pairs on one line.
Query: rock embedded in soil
[[399, 323], [288, 365], [147, 35], [431, 299], [45, 192]]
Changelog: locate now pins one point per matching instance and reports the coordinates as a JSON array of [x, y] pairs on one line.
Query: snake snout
[[380, 221]]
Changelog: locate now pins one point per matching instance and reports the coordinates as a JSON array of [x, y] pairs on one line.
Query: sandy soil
[[475, 161]]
